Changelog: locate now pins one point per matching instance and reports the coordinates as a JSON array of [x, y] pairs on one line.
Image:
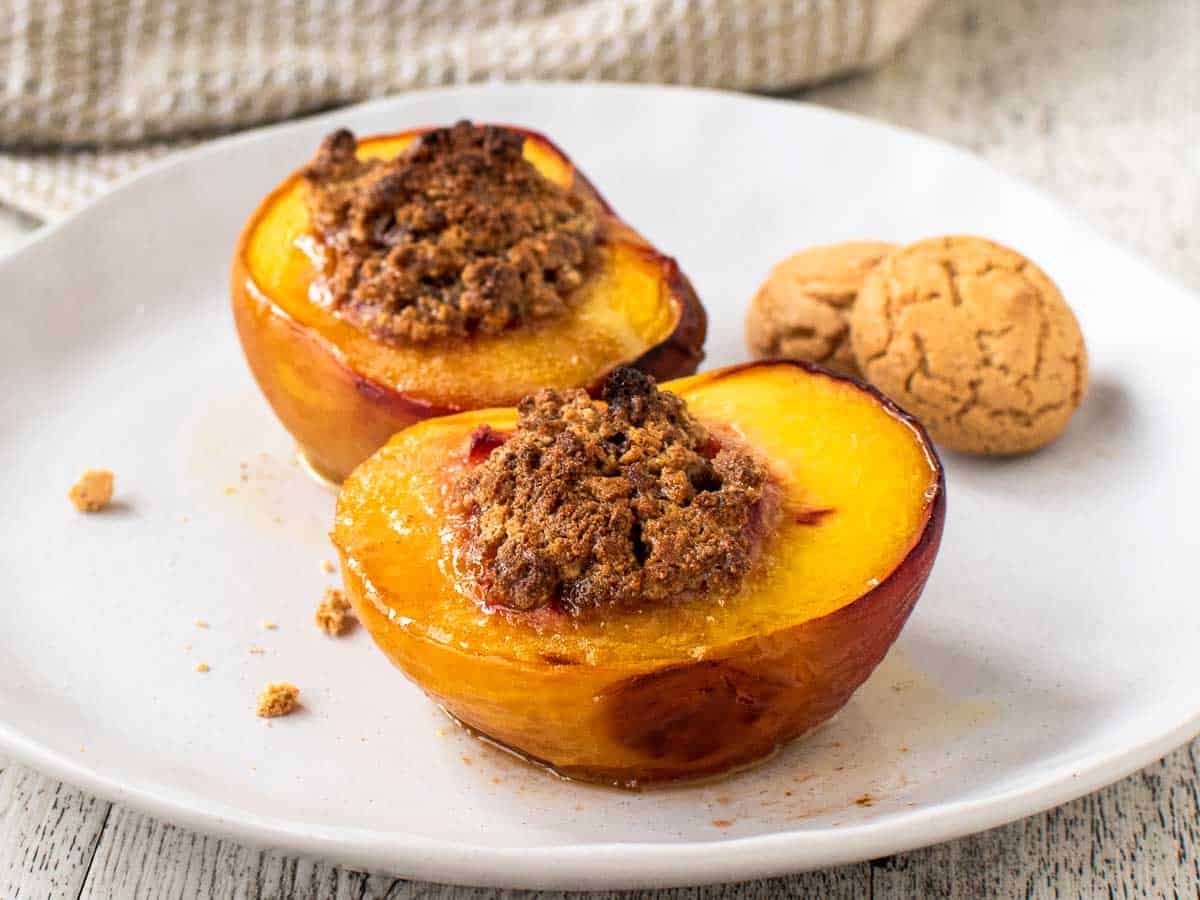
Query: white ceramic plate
[[1054, 650]]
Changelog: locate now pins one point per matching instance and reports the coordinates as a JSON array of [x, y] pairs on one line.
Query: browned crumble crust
[[278, 698], [458, 235], [594, 504], [334, 616]]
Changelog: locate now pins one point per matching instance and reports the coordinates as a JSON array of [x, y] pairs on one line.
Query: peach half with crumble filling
[[432, 271], [663, 583]]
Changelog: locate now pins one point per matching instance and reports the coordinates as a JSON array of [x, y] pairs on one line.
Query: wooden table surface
[[1098, 102]]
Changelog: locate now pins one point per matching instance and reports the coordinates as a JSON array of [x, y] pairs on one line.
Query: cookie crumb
[[200, 623], [278, 698], [327, 567], [257, 651], [201, 667], [334, 616], [270, 626], [93, 491]]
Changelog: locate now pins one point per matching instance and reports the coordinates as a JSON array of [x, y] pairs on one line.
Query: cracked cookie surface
[[973, 339], [802, 310]]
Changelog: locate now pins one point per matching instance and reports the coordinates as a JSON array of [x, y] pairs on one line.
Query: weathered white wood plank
[[846, 883], [1138, 838], [140, 858], [48, 834]]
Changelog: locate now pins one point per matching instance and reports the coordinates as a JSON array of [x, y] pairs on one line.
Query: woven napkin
[[91, 90]]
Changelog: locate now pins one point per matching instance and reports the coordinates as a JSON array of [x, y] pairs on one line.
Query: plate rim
[[591, 865]]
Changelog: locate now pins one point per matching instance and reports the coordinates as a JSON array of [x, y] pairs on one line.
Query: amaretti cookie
[[975, 340], [801, 311]]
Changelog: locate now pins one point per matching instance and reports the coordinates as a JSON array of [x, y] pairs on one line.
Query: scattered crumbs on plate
[[327, 567], [256, 651], [496, 779], [441, 732], [200, 623], [230, 489], [278, 698], [723, 823], [93, 491], [202, 667], [724, 800], [270, 626], [334, 615], [467, 761], [865, 800]]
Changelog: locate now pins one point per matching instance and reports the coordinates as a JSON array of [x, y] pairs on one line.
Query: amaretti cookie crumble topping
[[458, 235], [593, 504]]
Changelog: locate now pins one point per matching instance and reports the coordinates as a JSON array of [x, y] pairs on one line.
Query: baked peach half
[[438, 270], [668, 588]]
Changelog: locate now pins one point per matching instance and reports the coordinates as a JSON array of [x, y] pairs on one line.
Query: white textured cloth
[[91, 89]]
